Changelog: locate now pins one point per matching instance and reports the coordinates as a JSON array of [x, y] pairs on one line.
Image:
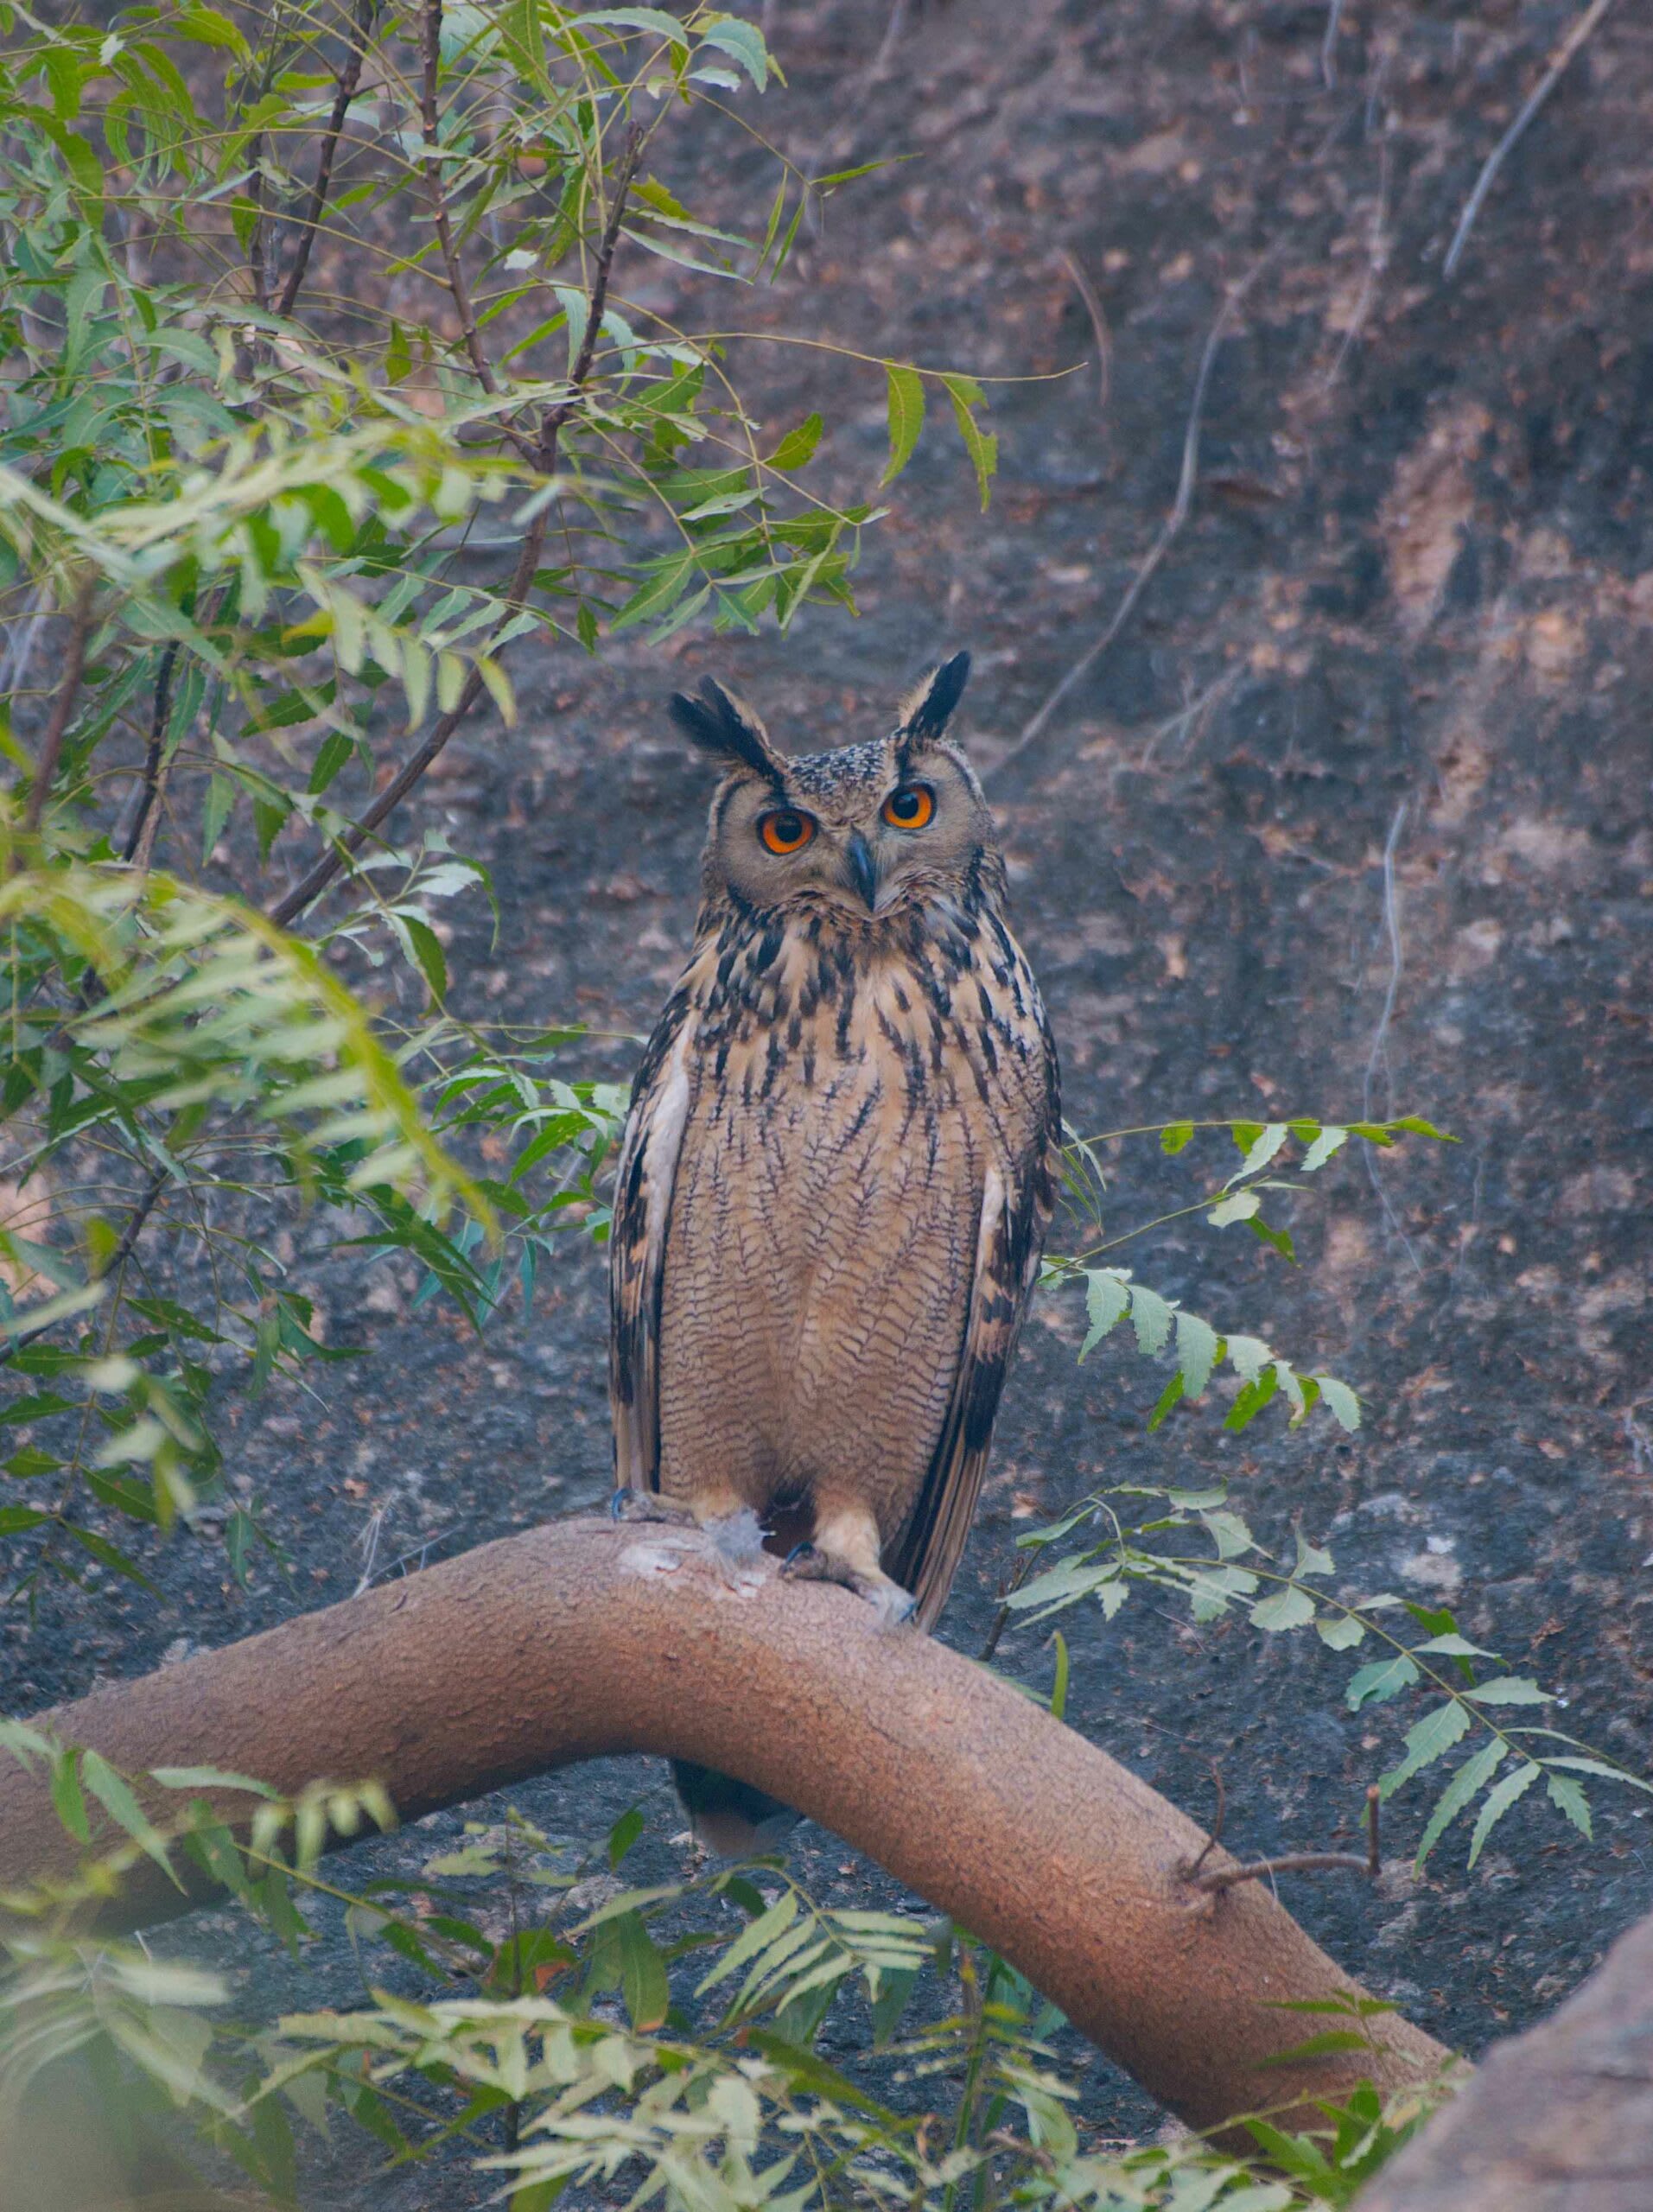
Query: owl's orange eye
[[784, 829], [910, 806]]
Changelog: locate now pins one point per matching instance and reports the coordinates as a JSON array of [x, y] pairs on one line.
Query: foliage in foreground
[[569, 2032]]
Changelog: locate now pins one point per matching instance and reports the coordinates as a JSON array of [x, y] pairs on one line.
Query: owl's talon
[[807, 1562], [628, 1504]]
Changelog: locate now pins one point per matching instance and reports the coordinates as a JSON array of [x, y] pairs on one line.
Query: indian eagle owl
[[837, 1174]]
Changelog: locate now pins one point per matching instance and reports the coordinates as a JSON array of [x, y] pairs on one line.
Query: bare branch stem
[[310, 887], [1494, 160], [429, 118], [152, 762], [349, 80], [68, 691], [1290, 1862], [1181, 508]]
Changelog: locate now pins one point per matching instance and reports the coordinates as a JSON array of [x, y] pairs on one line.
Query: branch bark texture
[[1560, 2120], [582, 1638]]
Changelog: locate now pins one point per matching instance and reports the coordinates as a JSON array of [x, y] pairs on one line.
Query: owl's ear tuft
[[927, 708], [726, 727]]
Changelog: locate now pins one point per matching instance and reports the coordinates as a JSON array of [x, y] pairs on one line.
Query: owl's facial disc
[[865, 831]]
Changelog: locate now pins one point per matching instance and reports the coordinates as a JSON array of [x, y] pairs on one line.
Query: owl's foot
[[808, 1563], [649, 1505]]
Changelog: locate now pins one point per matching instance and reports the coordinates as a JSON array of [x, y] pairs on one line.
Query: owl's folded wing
[[643, 1190], [1015, 1213]]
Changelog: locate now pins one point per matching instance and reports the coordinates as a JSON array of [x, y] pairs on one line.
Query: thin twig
[[1216, 1835], [1093, 307], [1291, 1862], [142, 1208], [597, 304], [349, 80], [429, 118], [886, 54], [1180, 509], [1378, 1056], [1002, 1618], [1494, 160], [1329, 45], [1187, 716], [158, 720], [1377, 263], [310, 887], [256, 265], [68, 691]]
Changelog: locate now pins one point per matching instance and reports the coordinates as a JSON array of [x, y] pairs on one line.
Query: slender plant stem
[[68, 691], [288, 908], [349, 80], [1291, 1862], [135, 837], [1494, 160], [1181, 507], [430, 119], [143, 1207]]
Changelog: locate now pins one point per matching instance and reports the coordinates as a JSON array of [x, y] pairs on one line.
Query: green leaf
[[983, 449], [644, 1985], [745, 43], [1261, 1150], [798, 445], [1107, 1299], [1569, 1797], [624, 1834], [1341, 1634], [1292, 1607], [1059, 1690], [215, 812], [1382, 1680], [14, 1519], [906, 412], [1340, 1402], [1329, 1139], [1279, 1240], [336, 749], [1168, 1398], [1198, 1344], [1499, 1799], [1465, 1786], [1427, 1740], [1173, 1140], [1322, 2046], [1151, 1318], [210, 1778], [67, 1801], [427, 950], [114, 1794], [1510, 1689], [755, 1937]]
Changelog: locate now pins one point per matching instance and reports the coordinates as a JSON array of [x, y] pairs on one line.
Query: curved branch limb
[[583, 1638]]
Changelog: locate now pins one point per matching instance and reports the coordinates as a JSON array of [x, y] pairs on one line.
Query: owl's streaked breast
[[848, 1094]]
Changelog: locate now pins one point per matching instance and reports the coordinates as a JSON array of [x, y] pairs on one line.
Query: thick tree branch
[[581, 1639], [1560, 2120]]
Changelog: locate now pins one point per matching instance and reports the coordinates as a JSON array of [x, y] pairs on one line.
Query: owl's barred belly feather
[[847, 1095]]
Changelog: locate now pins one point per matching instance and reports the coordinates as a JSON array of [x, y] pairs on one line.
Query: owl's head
[[868, 829]]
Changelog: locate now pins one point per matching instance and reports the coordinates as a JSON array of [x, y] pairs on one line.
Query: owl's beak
[[862, 869]]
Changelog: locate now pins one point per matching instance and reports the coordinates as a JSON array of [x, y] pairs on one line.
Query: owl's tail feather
[[732, 1818]]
